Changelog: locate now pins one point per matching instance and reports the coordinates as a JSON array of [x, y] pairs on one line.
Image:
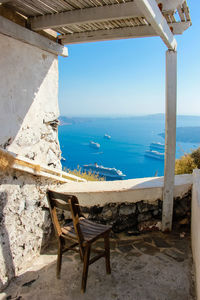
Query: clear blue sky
[[127, 77]]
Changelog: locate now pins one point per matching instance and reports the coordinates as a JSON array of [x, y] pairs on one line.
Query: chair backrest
[[65, 202]]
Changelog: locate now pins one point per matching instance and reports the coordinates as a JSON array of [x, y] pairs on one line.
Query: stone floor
[[153, 266]]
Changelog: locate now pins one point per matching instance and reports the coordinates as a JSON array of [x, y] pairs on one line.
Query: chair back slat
[[65, 202], [60, 204], [76, 214], [53, 213]]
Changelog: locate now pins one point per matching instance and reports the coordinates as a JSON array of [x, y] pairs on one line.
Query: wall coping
[[133, 190]]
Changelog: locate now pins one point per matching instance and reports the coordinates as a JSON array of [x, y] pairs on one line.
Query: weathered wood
[[86, 15], [27, 36], [153, 15], [170, 139], [107, 254], [83, 231], [85, 268]]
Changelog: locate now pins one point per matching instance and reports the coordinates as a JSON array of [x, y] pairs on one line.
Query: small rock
[[149, 225], [182, 234]]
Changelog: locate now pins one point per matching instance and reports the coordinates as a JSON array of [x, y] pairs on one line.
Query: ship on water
[[94, 145], [159, 146], [155, 154], [108, 173], [107, 136]]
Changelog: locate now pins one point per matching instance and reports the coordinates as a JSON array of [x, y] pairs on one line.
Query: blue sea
[[130, 138]]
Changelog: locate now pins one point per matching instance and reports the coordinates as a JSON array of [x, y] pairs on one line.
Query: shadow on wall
[[25, 92], [5, 247], [25, 223]]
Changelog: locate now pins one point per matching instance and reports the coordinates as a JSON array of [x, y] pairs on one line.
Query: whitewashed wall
[[28, 101], [195, 223], [28, 113]]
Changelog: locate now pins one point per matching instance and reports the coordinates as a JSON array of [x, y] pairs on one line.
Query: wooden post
[[170, 139]]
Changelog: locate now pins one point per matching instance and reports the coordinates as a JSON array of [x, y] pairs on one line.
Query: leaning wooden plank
[[29, 170], [12, 160], [27, 36]]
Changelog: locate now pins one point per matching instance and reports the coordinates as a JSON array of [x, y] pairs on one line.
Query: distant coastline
[[186, 134], [183, 134]]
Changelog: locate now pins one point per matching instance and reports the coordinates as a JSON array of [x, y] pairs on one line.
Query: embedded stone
[[144, 207], [126, 210], [144, 217]]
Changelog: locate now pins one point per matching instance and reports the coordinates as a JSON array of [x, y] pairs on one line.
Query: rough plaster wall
[[24, 221], [29, 101], [28, 120]]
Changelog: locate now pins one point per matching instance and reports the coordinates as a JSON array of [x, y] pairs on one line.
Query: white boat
[[94, 145], [107, 136], [155, 154], [157, 146], [111, 173]]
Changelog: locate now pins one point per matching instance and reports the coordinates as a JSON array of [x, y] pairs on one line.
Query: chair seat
[[90, 230]]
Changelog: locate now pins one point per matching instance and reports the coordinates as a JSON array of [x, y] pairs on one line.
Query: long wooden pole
[[170, 139]]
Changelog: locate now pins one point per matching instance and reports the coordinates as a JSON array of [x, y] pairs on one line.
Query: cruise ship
[[157, 146], [155, 154], [94, 145], [108, 173]]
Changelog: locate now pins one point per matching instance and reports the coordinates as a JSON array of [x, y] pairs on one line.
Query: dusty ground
[[155, 266]]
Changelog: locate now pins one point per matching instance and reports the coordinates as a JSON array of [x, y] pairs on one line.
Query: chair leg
[[85, 268], [107, 256], [59, 259]]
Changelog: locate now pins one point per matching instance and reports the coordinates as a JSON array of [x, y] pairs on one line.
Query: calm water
[[130, 137]]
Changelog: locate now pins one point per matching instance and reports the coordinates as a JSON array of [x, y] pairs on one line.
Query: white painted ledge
[[133, 190]]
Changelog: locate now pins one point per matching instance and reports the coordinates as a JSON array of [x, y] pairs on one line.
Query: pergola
[[51, 24]]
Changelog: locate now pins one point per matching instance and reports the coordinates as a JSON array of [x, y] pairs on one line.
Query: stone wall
[[141, 216], [28, 120], [25, 224]]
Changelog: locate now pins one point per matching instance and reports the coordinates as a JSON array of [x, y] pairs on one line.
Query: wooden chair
[[82, 231]]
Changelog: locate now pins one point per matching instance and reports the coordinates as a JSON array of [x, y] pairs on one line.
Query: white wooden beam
[[118, 33], [106, 35], [153, 15], [170, 139], [86, 15], [170, 5], [27, 36]]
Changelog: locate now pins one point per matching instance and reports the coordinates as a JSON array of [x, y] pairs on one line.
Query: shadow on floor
[[152, 266]]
